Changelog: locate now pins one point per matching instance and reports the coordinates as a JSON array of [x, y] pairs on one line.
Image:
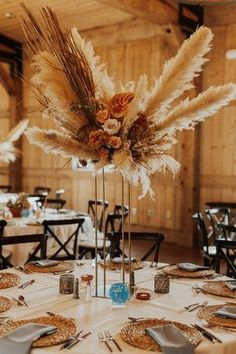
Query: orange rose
[[115, 142], [102, 115], [119, 104], [97, 138]]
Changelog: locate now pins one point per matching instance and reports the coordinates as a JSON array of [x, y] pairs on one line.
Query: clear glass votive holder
[[66, 284]]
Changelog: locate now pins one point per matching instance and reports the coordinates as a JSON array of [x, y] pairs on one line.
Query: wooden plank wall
[[218, 135], [129, 50], [4, 124]]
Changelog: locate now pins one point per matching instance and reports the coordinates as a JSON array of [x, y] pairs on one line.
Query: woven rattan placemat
[[177, 272], [218, 288], [65, 329], [60, 267], [118, 266], [207, 314], [5, 303], [134, 333], [8, 280]]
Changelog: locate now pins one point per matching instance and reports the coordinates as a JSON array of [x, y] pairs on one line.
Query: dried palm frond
[[190, 112], [8, 152], [53, 142], [179, 72], [70, 57], [103, 83]]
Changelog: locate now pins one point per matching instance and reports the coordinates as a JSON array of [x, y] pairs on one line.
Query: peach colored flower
[[102, 115], [119, 103], [115, 142], [97, 138], [111, 126]]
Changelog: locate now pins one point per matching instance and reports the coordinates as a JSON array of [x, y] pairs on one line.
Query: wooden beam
[[16, 113], [151, 10], [6, 80]]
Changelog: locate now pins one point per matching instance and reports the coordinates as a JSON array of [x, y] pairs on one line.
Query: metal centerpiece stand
[[103, 289]]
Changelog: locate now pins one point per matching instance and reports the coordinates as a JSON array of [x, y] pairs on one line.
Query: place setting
[[49, 266], [188, 270]]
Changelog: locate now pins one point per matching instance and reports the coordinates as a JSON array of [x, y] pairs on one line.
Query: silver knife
[[79, 339], [70, 340], [207, 334]]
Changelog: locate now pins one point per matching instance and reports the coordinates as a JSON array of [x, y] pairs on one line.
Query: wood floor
[[169, 252]]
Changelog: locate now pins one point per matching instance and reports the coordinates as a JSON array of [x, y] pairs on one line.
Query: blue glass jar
[[119, 294]]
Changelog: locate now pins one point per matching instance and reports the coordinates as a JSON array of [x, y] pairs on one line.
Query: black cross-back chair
[[101, 207], [119, 207], [20, 239], [216, 216], [206, 241], [49, 231], [226, 249], [116, 237]]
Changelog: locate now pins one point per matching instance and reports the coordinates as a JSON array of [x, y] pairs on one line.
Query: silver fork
[[103, 339], [203, 304], [109, 337]]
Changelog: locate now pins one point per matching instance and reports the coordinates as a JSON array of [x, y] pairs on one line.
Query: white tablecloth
[[99, 315]]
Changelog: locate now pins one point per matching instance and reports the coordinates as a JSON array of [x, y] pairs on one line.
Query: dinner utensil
[[209, 325], [167, 265], [22, 299], [207, 334], [21, 269], [27, 283], [135, 319], [60, 272], [198, 289], [19, 302], [49, 313], [103, 339], [108, 336], [188, 307], [79, 264], [70, 340], [78, 339], [205, 303]]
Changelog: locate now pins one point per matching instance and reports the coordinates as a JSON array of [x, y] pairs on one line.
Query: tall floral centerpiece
[[130, 127]]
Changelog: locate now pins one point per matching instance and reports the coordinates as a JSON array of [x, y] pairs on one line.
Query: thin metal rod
[[104, 235], [96, 234], [123, 233], [129, 234]]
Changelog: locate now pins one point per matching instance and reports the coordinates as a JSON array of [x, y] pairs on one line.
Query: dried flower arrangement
[[21, 201], [131, 128], [8, 152]]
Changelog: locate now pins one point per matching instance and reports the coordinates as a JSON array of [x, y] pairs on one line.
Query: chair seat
[[211, 250]]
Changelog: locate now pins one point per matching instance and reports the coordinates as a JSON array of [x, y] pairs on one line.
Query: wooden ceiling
[[86, 14]]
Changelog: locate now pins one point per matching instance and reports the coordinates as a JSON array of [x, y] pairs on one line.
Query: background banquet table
[[99, 315], [27, 226]]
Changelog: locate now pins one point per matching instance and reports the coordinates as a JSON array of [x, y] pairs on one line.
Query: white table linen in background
[[27, 226], [99, 315]]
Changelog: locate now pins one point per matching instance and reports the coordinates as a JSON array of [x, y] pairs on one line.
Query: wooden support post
[[16, 112]]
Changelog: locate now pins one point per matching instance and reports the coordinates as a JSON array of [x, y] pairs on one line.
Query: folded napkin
[[171, 340], [20, 340], [190, 267], [231, 284], [227, 311], [45, 263]]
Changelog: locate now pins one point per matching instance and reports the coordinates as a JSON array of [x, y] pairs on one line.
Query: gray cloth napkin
[[227, 311], [190, 267], [171, 340], [231, 284], [45, 263], [20, 340]]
